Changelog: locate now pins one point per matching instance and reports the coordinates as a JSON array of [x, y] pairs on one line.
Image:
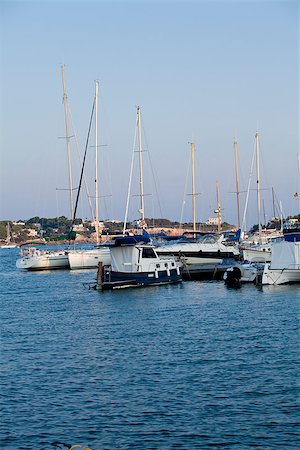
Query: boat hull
[[89, 259], [280, 276], [44, 262], [118, 280], [253, 255], [195, 256], [8, 246]]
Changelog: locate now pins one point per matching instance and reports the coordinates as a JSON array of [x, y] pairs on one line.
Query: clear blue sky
[[202, 71]]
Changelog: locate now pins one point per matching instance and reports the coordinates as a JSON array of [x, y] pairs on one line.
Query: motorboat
[[206, 250], [241, 273], [285, 262], [135, 263]]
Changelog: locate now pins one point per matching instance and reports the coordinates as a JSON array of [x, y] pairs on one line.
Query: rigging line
[[80, 162], [111, 188], [57, 208], [248, 191], [151, 167], [155, 184], [263, 166], [130, 179], [277, 205], [83, 164], [184, 193]]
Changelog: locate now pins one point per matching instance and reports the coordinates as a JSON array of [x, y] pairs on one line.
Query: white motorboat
[[285, 264], [36, 259], [258, 253], [207, 250], [241, 273]]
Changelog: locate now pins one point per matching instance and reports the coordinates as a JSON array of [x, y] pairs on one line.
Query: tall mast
[[142, 208], [7, 232], [68, 139], [273, 201], [235, 146], [96, 160], [299, 180], [264, 212], [258, 185], [193, 185], [218, 207]]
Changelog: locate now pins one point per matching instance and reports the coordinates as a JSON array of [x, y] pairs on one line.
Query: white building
[[212, 221], [79, 227]]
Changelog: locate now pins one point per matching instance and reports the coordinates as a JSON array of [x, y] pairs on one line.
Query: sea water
[[185, 366]]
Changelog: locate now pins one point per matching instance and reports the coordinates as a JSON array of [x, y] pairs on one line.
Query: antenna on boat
[[65, 100]]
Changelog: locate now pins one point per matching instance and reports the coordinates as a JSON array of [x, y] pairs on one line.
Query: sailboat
[[88, 259], [35, 259], [8, 243], [207, 249], [135, 261], [261, 250]]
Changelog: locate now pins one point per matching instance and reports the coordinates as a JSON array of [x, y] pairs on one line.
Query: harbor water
[[185, 366]]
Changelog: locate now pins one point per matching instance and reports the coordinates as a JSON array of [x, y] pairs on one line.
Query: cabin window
[[148, 253], [166, 265], [158, 266]]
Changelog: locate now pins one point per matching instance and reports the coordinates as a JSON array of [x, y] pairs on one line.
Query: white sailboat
[[259, 247], [8, 243], [88, 259], [36, 259]]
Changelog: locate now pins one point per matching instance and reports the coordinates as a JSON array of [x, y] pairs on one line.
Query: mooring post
[[99, 275]]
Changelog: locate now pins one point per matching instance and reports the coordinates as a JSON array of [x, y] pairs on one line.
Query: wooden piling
[[99, 274]]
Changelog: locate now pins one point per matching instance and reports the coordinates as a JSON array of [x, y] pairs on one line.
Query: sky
[[206, 72]]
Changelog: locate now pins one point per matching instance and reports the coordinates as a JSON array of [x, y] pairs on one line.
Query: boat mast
[[273, 201], [8, 233], [218, 207], [96, 160], [65, 99], [235, 146], [193, 185], [299, 179], [258, 185], [142, 208]]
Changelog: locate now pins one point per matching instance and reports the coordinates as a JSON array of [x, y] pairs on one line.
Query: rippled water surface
[[187, 366]]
